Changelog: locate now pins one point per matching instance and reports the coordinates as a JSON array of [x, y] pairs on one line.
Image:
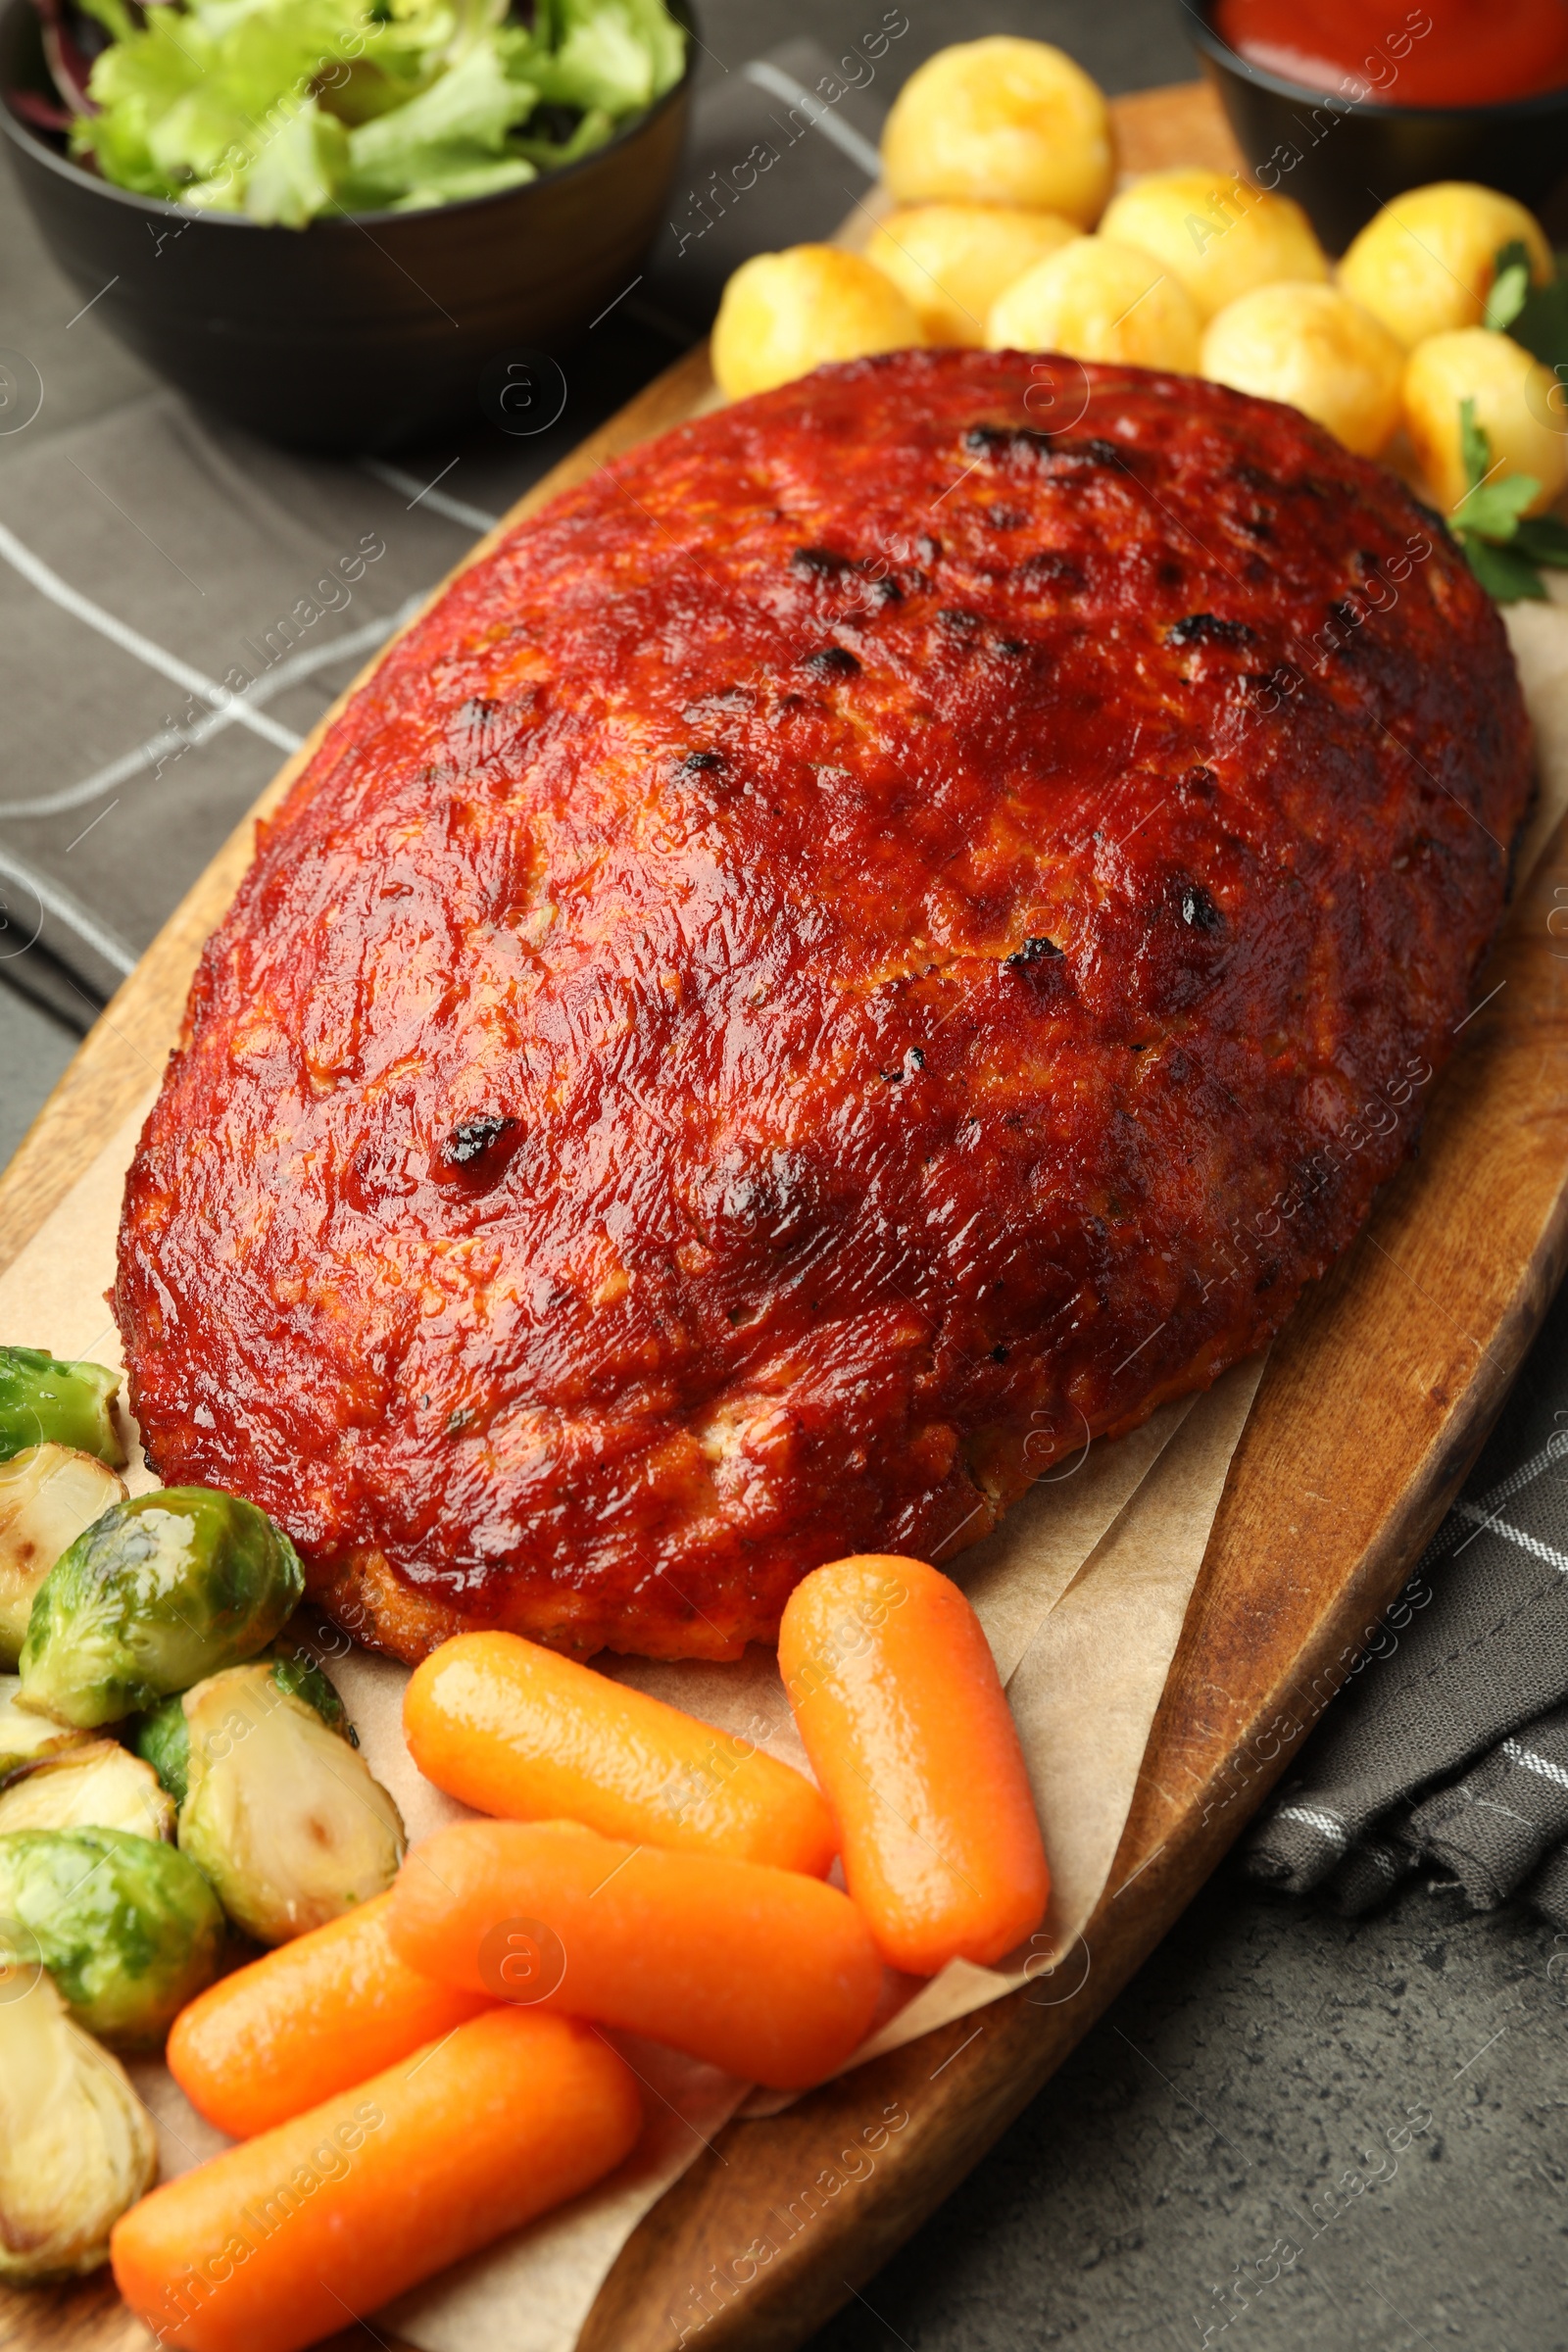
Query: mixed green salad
[[284, 110]]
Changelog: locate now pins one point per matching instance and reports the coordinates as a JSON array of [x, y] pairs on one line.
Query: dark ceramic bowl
[[356, 334], [1341, 159]]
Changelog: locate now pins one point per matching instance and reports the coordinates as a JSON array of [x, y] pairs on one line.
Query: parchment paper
[[1082, 1592]]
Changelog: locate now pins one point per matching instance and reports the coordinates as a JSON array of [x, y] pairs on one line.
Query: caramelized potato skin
[[1518, 406], [784, 314], [1313, 347], [952, 262], [1001, 121], [1097, 300], [1425, 264], [1220, 235]]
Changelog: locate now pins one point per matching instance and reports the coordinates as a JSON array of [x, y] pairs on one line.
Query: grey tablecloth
[[1448, 1752]]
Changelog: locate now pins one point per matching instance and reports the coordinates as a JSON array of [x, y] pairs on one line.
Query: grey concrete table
[[1317, 2135]]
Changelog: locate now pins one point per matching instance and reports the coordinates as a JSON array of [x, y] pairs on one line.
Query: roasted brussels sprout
[[95, 1786], [48, 1493], [160, 1591], [43, 1401], [76, 2145], [295, 1671], [281, 1814], [27, 1739], [163, 1737], [128, 1929], [162, 1741]]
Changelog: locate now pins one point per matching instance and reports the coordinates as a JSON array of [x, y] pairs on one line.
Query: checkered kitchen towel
[[1448, 1752], [178, 603]]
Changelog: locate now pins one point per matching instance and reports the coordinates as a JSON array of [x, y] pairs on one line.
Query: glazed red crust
[[864, 942]]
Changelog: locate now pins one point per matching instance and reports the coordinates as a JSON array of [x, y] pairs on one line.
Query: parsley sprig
[[1507, 548]]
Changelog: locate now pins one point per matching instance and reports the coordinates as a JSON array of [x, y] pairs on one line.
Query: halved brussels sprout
[[162, 1735], [76, 2145], [162, 1739], [27, 1739], [297, 1672], [96, 1786], [48, 1493], [44, 1401], [128, 1929], [281, 1814], [157, 1593]]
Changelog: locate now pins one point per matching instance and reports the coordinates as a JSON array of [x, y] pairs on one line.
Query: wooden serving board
[[1375, 1401]]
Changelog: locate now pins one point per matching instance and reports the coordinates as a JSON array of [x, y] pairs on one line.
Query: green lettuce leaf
[[446, 175], [296, 172], [288, 109], [617, 55], [476, 101]]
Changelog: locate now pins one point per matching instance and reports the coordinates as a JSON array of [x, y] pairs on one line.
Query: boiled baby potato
[[1218, 233], [1515, 397], [784, 314], [1001, 122], [1425, 265], [1314, 348], [952, 260], [1097, 300]]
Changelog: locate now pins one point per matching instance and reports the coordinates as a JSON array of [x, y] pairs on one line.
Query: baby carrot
[[896, 1696], [766, 1972], [515, 1730], [289, 2237], [313, 2017]]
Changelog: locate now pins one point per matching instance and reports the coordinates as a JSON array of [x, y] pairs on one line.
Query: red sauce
[[1443, 53]]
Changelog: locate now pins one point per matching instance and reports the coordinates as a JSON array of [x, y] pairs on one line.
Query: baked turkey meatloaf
[[865, 942]]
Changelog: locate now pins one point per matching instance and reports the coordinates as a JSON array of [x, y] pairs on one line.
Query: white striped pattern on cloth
[[1324, 1824], [1513, 1534], [298, 666], [779, 84], [130, 641], [1555, 1449], [71, 911], [1532, 1761], [456, 509]]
